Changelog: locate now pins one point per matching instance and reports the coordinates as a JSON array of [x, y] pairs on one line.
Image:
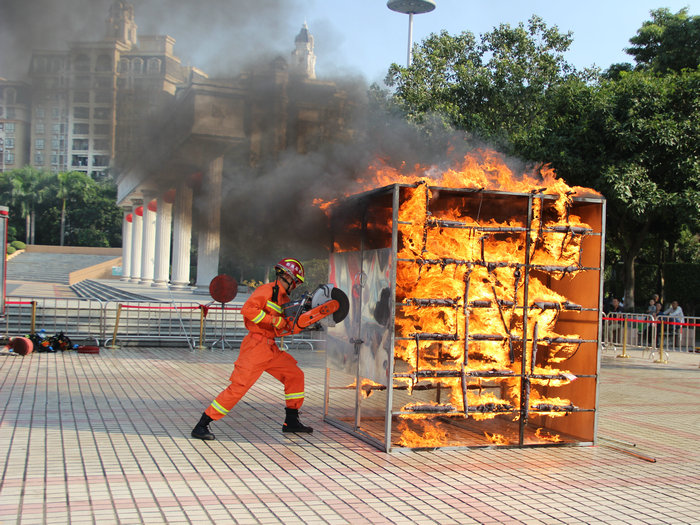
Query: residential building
[[14, 124], [90, 102]]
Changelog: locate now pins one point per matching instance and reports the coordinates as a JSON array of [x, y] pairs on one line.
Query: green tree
[[667, 42], [494, 87], [28, 190], [632, 134], [636, 139], [69, 207], [93, 218]]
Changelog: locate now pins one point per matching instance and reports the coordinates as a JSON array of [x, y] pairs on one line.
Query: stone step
[[90, 289], [50, 267]]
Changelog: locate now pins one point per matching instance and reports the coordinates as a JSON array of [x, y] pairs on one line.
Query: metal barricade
[[79, 319], [659, 336], [309, 339], [154, 323], [223, 327], [679, 337], [113, 324]]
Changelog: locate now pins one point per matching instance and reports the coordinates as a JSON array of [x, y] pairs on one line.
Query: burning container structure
[[474, 317]]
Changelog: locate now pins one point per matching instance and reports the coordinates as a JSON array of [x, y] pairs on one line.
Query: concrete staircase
[[50, 267], [89, 289]]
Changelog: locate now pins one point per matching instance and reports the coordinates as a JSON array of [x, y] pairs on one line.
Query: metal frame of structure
[[363, 385]]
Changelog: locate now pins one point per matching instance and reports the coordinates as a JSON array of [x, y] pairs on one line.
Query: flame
[[546, 436], [481, 168], [367, 386], [497, 439], [461, 275], [324, 205], [430, 435]]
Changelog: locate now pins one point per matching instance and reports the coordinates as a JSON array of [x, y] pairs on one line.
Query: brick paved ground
[[105, 439]]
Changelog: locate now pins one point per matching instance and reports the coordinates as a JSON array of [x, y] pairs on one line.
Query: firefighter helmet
[[291, 267]]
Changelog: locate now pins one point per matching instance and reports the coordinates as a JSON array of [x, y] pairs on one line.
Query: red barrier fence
[[136, 323]]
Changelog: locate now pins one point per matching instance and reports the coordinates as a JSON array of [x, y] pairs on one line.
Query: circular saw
[[327, 305]]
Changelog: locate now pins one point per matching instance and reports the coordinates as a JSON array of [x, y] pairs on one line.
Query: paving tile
[[110, 437]]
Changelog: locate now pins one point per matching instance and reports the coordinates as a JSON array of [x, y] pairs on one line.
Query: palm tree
[[70, 183], [24, 182], [30, 187]]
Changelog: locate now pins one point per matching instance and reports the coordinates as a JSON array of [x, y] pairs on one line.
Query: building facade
[[15, 108], [85, 99], [171, 189], [168, 134]]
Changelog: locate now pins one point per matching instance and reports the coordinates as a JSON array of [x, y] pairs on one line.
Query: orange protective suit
[[259, 353]]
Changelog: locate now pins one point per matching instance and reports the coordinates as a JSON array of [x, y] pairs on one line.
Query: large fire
[[481, 168], [473, 294]]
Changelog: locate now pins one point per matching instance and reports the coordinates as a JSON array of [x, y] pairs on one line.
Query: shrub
[[11, 249], [19, 245]]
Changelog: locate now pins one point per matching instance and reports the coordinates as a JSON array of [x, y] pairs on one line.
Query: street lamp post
[[410, 8]]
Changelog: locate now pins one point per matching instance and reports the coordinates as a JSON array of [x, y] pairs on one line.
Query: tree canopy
[[70, 206], [493, 86], [667, 42]]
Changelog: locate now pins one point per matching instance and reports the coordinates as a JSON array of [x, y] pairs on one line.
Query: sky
[[357, 37], [368, 36]]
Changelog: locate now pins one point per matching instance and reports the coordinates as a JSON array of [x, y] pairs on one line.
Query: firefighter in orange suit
[[259, 353]]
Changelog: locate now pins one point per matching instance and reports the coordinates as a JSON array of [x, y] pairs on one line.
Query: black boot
[[292, 423], [201, 429]]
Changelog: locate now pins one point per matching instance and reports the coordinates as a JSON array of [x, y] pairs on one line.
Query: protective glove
[[281, 326]]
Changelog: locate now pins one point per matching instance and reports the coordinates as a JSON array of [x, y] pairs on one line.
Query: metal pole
[[661, 346], [32, 328], [116, 327], [201, 346], [624, 339], [410, 39]]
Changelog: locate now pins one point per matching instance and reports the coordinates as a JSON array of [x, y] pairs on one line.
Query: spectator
[[651, 310], [614, 307], [613, 326], [674, 314]]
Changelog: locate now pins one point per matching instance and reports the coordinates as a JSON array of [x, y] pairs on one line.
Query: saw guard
[[326, 301]]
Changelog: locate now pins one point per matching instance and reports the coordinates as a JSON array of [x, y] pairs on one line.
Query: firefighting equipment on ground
[[40, 342], [55, 343], [21, 345]]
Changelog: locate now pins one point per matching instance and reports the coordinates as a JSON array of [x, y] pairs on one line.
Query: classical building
[[211, 129], [126, 107]]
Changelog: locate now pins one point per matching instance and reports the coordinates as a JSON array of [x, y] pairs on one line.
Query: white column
[[136, 236], [126, 243], [182, 237], [162, 258], [149, 239], [210, 226]]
